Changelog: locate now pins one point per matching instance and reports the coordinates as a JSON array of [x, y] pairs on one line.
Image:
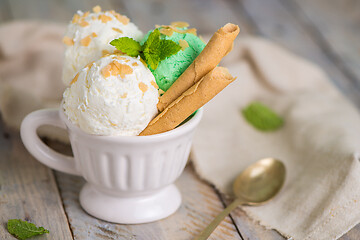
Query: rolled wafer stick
[[219, 45], [191, 100]]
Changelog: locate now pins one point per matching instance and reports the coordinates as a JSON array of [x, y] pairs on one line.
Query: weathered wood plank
[[335, 24], [353, 234], [207, 16], [28, 190], [5, 14], [250, 229], [272, 20], [247, 227], [55, 11], [200, 205]]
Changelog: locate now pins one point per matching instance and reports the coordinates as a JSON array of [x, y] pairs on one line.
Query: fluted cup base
[[130, 210]]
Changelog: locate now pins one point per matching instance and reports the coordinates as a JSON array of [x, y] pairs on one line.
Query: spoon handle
[[211, 227]]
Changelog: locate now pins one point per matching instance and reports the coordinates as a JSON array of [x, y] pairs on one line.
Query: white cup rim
[[184, 128]]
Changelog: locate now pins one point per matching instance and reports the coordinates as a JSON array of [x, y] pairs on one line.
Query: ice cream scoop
[[171, 68], [116, 95], [88, 35]]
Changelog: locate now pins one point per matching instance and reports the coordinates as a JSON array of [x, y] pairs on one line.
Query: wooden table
[[324, 31]]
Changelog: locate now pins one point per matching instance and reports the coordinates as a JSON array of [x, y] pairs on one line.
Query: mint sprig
[[262, 117], [152, 51], [23, 230]]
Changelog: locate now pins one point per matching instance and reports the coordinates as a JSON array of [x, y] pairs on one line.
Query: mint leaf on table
[[152, 51], [168, 48], [127, 45], [262, 117], [24, 230]]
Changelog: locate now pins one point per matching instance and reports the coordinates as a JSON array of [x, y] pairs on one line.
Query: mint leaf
[[152, 43], [152, 59], [127, 45], [151, 49], [262, 117], [24, 230], [168, 48]]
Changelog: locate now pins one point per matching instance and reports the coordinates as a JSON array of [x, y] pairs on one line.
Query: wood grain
[[28, 190], [335, 25]]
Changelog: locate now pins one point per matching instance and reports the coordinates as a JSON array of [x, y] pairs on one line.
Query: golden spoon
[[256, 185]]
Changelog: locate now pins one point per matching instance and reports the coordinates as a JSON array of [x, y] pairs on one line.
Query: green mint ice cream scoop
[[172, 67]]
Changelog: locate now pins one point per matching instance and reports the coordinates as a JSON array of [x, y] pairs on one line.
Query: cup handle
[[37, 148]]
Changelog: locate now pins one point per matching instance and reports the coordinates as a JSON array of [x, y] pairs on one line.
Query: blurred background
[[324, 31]]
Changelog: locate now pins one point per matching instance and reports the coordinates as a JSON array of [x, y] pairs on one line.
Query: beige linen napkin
[[31, 55], [319, 142]]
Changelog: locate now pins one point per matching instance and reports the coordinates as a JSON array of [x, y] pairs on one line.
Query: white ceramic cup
[[129, 179]]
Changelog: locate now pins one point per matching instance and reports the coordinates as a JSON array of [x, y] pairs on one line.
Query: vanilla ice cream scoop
[[116, 95], [88, 35]]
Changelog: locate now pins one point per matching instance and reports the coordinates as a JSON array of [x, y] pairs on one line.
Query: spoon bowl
[[260, 182]]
